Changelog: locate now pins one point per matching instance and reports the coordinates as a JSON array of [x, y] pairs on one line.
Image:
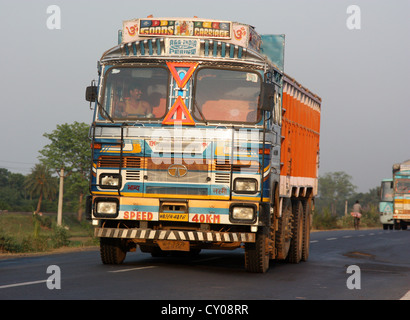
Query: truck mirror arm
[[267, 95], [91, 94]]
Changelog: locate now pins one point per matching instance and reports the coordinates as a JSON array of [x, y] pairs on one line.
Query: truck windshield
[[387, 191], [227, 95], [403, 186], [134, 93]]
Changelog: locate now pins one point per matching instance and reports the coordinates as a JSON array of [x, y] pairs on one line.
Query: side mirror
[[91, 93], [267, 96]]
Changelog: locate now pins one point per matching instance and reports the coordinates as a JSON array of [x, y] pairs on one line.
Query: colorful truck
[[401, 199], [201, 141], [386, 203]]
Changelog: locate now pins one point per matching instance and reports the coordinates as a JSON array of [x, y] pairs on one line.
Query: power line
[[16, 162]]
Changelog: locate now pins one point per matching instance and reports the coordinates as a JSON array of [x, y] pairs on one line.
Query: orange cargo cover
[[300, 138]]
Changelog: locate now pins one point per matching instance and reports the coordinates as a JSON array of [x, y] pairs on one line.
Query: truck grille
[[177, 190], [114, 162]]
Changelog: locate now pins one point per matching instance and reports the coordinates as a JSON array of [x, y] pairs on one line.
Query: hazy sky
[[362, 75]]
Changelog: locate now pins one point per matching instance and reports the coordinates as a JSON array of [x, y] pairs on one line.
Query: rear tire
[[284, 233], [296, 244], [112, 251], [307, 215]]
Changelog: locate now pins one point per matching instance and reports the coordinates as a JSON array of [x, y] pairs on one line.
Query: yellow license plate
[[173, 216], [167, 245]]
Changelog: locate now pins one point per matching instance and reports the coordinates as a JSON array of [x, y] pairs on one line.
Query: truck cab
[[201, 141], [386, 203], [401, 203]]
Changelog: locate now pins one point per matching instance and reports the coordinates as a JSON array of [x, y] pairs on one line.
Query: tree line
[[335, 199], [68, 149]]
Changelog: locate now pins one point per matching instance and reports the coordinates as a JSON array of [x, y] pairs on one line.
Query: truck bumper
[[176, 235]]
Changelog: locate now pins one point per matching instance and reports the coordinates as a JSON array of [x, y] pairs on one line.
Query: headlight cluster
[[243, 213], [106, 207], [109, 181], [243, 185]]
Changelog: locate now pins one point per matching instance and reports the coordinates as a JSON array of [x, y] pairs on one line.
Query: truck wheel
[[295, 250], [257, 255], [284, 233], [307, 215], [112, 251]]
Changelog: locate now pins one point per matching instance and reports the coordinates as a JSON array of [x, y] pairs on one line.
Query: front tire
[[257, 255], [112, 251]]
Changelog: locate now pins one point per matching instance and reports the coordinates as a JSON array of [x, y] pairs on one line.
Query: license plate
[[173, 216], [168, 245]]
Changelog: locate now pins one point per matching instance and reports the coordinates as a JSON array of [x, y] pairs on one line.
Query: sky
[[362, 74]]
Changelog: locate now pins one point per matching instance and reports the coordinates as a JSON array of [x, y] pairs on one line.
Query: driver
[[135, 106]]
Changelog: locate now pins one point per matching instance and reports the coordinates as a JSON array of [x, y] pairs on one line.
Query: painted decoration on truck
[[182, 71], [182, 47], [133, 29], [245, 36], [179, 114]]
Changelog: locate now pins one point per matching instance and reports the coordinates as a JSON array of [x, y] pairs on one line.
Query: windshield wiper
[[200, 112], [107, 116]]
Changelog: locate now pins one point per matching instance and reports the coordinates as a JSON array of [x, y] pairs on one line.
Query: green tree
[[335, 188], [77, 188], [41, 183], [68, 153], [367, 200], [12, 192]]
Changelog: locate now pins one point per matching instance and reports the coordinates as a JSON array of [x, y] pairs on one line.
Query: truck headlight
[[245, 185], [109, 181], [106, 207], [243, 213]]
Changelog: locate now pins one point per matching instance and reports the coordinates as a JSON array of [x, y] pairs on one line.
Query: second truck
[[401, 195]]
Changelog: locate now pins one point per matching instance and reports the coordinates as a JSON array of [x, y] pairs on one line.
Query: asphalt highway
[[342, 265]]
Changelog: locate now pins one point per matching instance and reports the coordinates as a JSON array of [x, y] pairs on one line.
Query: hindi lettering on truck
[[201, 141]]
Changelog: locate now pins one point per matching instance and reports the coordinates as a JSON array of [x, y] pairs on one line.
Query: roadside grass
[[25, 232], [327, 221]]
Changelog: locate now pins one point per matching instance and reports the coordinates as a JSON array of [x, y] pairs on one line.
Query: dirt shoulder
[[54, 251]]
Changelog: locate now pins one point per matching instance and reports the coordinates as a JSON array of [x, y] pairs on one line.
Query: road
[[381, 258]]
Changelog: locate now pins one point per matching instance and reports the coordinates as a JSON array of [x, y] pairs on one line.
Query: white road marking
[[132, 269], [406, 296], [22, 284]]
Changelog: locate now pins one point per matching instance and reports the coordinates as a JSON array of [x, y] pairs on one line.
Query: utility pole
[[60, 199]]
